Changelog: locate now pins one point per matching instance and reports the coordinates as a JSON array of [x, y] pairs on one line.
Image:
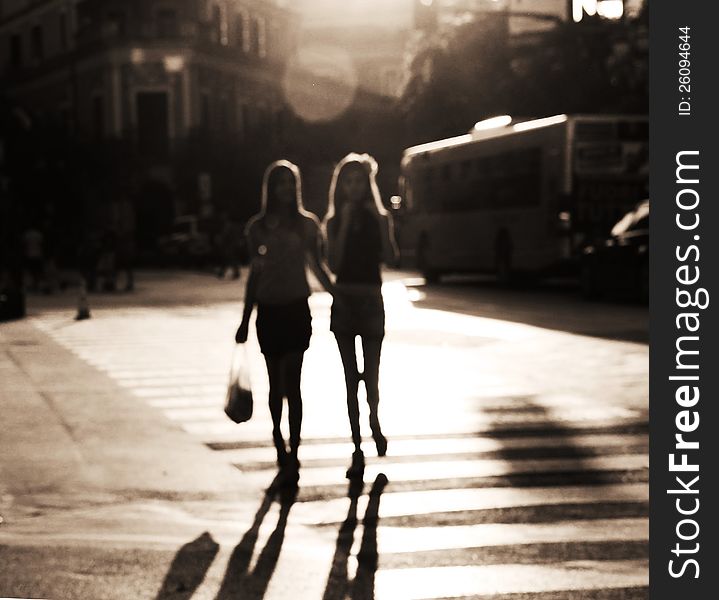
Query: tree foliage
[[475, 70]]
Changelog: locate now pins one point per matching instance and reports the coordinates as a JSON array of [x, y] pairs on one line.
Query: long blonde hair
[[269, 201], [369, 167]]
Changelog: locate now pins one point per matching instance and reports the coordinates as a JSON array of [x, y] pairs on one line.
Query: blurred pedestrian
[[107, 263], [229, 245], [125, 259], [125, 226], [360, 238], [89, 257], [283, 240], [50, 254], [34, 255]]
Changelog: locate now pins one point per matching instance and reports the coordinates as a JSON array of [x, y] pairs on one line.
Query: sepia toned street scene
[[324, 300]]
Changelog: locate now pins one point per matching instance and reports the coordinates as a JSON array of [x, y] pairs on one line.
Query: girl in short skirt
[[283, 240], [360, 238]]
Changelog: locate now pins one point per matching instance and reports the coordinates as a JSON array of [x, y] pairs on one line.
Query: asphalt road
[[517, 465]]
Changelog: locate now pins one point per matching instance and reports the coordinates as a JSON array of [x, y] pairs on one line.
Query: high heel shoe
[[379, 439], [381, 442]]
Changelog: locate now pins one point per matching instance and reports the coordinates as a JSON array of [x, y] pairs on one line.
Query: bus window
[[633, 131], [596, 130], [483, 167], [499, 165], [445, 173], [428, 176], [527, 161]]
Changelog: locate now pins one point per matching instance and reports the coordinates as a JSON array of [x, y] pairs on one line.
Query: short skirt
[[358, 314], [284, 328]]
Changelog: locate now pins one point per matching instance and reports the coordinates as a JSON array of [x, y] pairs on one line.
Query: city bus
[[515, 196]]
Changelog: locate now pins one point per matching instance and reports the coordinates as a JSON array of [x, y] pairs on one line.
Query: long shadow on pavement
[[239, 582], [188, 568], [193, 560], [339, 586]]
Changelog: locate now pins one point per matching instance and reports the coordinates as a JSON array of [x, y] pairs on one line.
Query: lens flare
[[320, 82]]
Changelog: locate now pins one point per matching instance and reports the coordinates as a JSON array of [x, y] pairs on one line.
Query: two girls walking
[[284, 239]]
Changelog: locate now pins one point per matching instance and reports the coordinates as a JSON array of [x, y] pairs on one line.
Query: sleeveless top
[[363, 251], [279, 254]]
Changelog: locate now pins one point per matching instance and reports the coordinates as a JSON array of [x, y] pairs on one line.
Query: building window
[[63, 31], [16, 51], [261, 37], [65, 120], [219, 26], [37, 43], [153, 124], [258, 37], [224, 115], [240, 32], [244, 120], [117, 22], [167, 26], [205, 111], [254, 36], [98, 118]]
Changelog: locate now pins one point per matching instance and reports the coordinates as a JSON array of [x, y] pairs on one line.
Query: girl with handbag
[[360, 238], [283, 240]]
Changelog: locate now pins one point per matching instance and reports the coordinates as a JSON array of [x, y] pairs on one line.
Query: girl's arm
[[250, 299], [250, 290], [390, 252], [337, 228], [314, 256]]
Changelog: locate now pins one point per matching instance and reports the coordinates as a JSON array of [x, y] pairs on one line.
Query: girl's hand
[[242, 332]]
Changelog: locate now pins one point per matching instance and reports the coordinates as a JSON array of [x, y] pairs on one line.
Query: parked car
[[619, 265], [188, 241]]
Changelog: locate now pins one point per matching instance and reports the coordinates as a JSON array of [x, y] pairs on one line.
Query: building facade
[[152, 71]]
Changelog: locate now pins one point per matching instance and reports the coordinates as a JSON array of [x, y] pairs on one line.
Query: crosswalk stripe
[[191, 401], [536, 513], [427, 502], [169, 373], [519, 554], [195, 413], [624, 593], [224, 430], [416, 448], [548, 432], [419, 539], [183, 380], [461, 469], [588, 479], [447, 582], [163, 392]]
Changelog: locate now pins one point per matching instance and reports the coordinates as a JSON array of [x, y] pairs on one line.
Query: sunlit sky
[[322, 13], [399, 13]]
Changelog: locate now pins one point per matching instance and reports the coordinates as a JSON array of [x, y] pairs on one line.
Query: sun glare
[[330, 73]]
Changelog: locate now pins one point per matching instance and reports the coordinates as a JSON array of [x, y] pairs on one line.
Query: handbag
[[238, 402]]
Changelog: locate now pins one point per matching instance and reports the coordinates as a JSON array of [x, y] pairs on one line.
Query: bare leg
[[275, 372], [346, 345], [292, 374], [372, 348]]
